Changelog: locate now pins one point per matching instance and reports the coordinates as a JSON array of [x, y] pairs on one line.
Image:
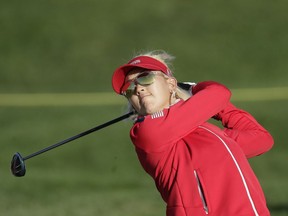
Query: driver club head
[[17, 165]]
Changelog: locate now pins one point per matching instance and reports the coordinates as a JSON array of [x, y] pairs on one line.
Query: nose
[[139, 88]]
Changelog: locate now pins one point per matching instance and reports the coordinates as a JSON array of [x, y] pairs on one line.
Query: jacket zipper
[[238, 168], [201, 193]]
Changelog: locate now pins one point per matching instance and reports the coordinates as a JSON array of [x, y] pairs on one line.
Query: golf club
[[18, 166]]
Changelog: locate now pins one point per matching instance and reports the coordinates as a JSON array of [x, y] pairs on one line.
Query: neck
[[173, 100]]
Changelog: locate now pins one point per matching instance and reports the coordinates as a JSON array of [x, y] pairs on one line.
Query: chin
[[150, 111]]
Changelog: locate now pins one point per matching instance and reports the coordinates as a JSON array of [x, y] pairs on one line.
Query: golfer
[[198, 168]]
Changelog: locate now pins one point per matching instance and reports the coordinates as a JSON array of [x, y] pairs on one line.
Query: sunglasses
[[144, 79]]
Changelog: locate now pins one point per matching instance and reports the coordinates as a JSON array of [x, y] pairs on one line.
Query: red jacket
[[198, 168]]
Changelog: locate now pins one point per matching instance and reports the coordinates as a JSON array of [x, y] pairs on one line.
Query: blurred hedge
[[74, 46]]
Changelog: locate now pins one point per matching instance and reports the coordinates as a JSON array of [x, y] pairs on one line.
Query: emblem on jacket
[[157, 114]]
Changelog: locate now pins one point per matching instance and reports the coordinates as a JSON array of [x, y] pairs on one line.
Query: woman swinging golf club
[[198, 168]]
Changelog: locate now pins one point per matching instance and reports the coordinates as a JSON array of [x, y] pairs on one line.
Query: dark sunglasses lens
[[130, 90], [145, 78]]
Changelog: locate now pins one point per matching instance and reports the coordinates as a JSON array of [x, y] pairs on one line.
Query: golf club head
[[17, 165]]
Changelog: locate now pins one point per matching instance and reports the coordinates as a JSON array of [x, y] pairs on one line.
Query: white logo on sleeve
[[157, 114]]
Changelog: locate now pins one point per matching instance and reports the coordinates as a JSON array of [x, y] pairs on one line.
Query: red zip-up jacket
[[198, 168]]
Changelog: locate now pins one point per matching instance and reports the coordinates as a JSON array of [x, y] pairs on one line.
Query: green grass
[[73, 46], [97, 174], [100, 174], [62, 46]]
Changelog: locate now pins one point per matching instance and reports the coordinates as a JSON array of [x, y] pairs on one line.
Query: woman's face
[[148, 99]]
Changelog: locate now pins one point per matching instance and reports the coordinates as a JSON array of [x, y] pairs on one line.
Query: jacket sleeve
[[154, 134], [245, 130]]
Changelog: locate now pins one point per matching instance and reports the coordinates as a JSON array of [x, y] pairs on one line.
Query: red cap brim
[[144, 62]]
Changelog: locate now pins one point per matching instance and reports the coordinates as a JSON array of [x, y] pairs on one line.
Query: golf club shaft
[[78, 136]]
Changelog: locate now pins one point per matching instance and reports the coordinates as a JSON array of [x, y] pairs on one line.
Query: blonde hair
[[166, 59], [161, 56]]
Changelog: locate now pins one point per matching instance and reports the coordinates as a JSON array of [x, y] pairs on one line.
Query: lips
[[143, 97]]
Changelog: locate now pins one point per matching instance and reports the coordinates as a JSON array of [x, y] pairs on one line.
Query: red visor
[[144, 62]]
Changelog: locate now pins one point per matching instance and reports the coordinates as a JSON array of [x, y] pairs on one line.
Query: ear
[[172, 82]]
